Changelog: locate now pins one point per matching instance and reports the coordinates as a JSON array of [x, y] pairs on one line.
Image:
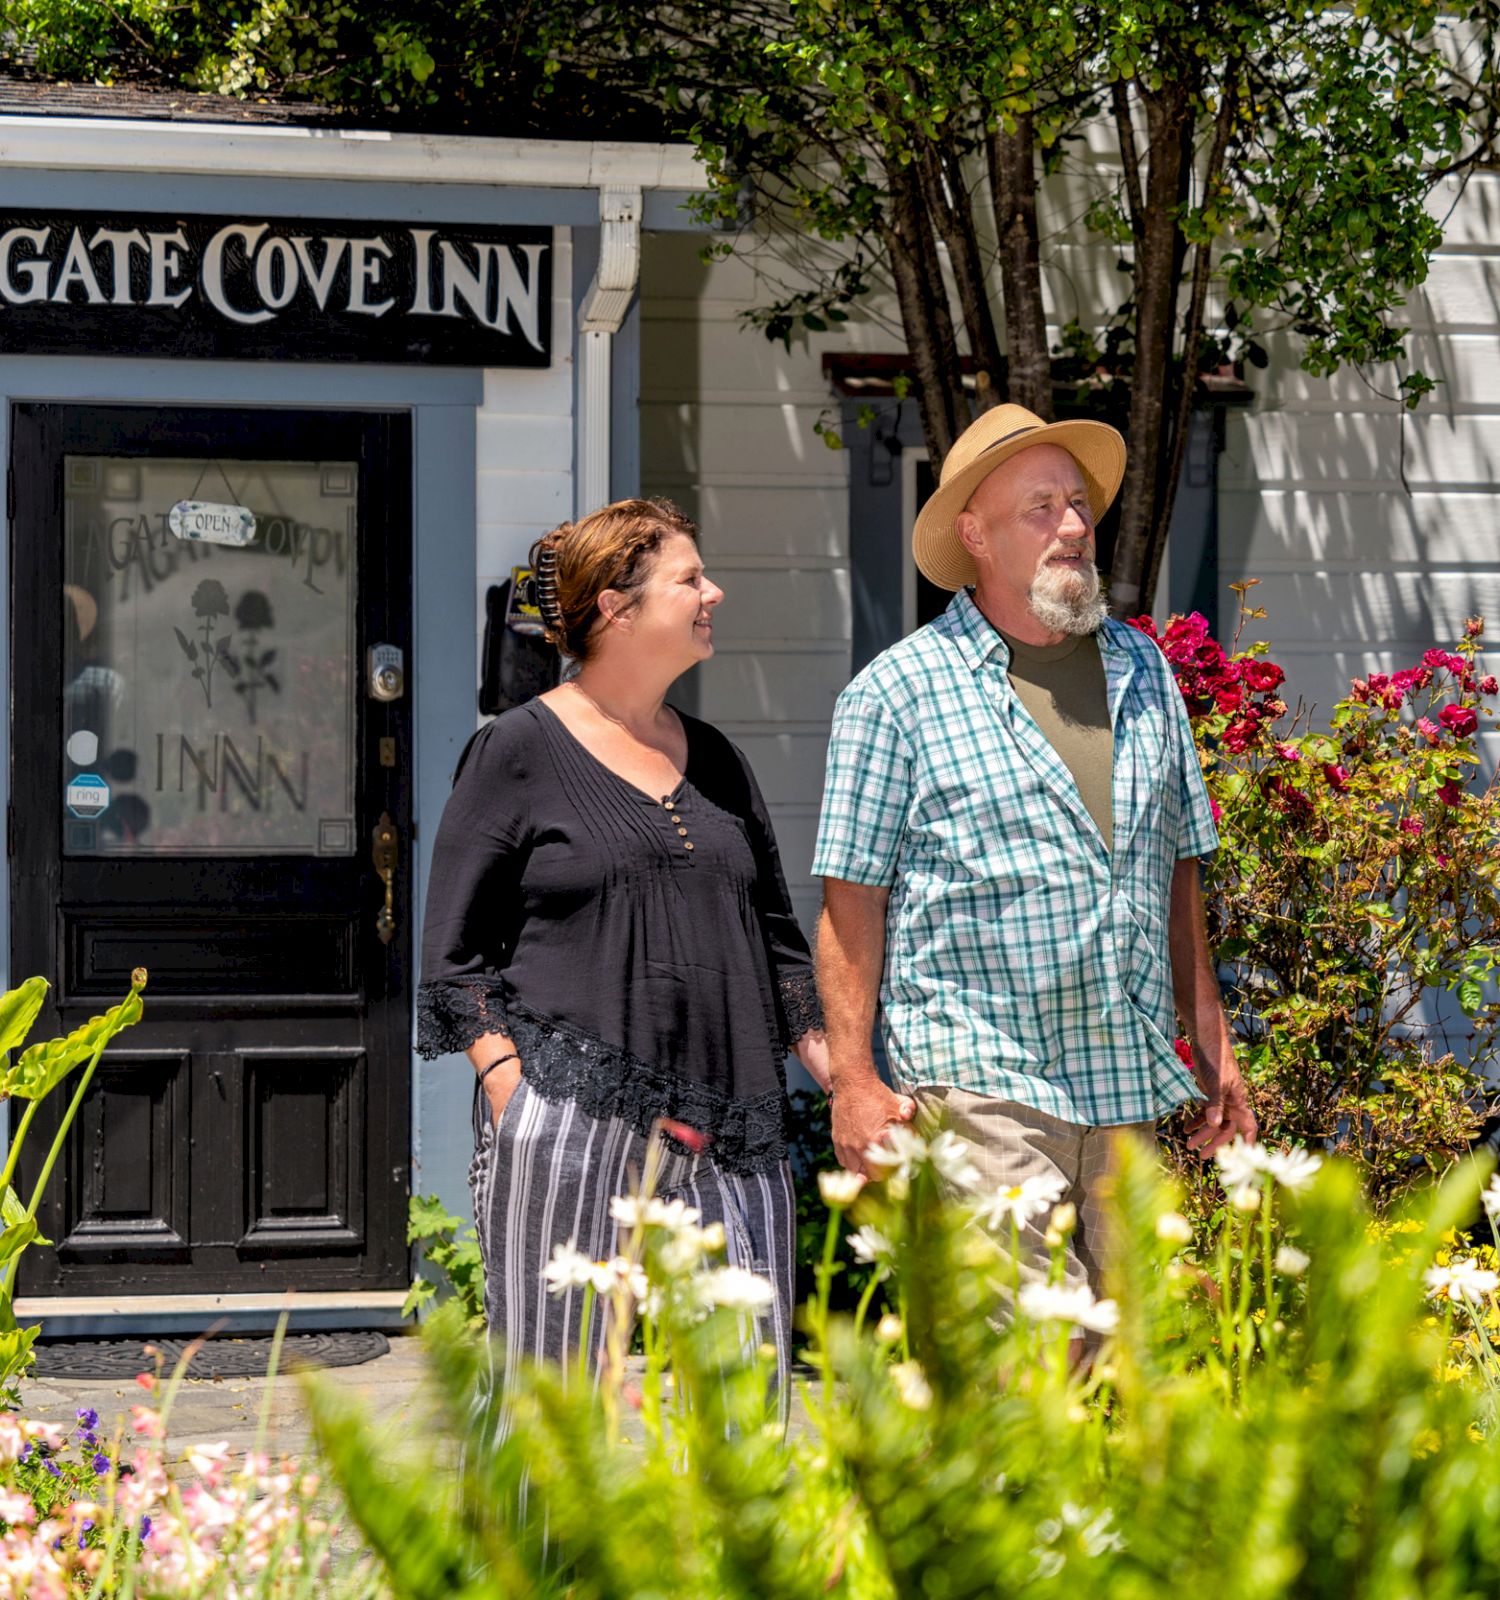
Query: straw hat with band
[[989, 442]]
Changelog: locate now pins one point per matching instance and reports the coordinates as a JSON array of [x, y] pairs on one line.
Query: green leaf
[[16, 1354], [1470, 996], [14, 1239], [44, 1066], [18, 1011]]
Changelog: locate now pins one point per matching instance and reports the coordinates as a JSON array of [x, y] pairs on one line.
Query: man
[[1009, 844]]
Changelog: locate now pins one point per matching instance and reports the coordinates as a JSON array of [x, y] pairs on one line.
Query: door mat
[[228, 1356]]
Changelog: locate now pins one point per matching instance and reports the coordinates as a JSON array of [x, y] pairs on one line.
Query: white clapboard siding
[[1374, 531], [524, 446], [728, 431]]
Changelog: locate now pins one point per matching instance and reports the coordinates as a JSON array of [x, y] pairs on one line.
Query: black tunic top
[[641, 951]]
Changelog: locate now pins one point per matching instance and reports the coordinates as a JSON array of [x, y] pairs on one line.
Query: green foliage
[[451, 1247], [1260, 1425], [40, 1069]]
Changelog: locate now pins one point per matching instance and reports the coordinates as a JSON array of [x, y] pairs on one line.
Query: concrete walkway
[[205, 1411]]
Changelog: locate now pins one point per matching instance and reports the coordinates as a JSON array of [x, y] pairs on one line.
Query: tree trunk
[[1187, 373], [1012, 164], [1158, 265], [907, 231], [949, 205]]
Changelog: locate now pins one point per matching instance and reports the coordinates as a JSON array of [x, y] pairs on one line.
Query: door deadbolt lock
[[387, 672]]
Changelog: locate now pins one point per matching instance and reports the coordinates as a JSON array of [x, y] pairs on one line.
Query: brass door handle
[[383, 854]]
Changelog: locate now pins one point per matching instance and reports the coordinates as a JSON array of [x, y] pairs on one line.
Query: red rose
[[1337, 776], [1239, 735], [1460, 721], [1450, 794], [1489, 685], [1288, 752], [1411, 824], [1215, 808], [1263, 676], [1144, 625], [1228, 699], [1184, 1051]]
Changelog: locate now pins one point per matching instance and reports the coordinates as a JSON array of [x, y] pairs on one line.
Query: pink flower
[[1359, 690], [1429, 730], [1460, 721], [1215, 808], [1443, 661], [1228, 698], [1143, 625], [1489, 684], [1288, 752], [1442, 861], [1337, 776], [1379, 682], [1411, 824], [16, 1508], [1450, 794], [148, 1422], [1184, 1051], [1239, 735], [1473, 627]]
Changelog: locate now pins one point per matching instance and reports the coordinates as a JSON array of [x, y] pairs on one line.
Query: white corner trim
[[117, 144], [599, 317]]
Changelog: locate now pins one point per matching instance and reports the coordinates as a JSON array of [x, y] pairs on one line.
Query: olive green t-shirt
[[1062, 686]]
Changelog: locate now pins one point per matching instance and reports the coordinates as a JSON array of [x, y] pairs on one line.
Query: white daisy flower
[[1293, 1169], [870, 1245], [1174, 1228], [839, 1189], [1240, 1163], [735, 1289], [1490, 1199], [620, 1273], [888, 1329], [1461, 1280], [568, 1269], [949, 1155], [1291, 1261], [1246, 1198], [1021, 1201], [912, 1385], [647, 1211], [898, 1151], [1052, 1302]]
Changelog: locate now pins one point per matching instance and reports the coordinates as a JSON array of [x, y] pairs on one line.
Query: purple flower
[[101, 1464], [89, 1418], [145, 1527], [52, 1467]]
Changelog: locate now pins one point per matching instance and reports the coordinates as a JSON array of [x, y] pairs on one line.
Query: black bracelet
[[499, 1061]]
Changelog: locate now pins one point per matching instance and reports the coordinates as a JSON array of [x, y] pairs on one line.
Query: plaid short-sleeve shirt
[[1024, 959]]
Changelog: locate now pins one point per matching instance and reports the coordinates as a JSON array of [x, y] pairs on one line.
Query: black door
[[199, 768]]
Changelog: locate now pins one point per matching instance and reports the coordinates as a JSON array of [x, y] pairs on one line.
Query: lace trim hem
[[452, 1014], [801, 1009], [605, 1080]]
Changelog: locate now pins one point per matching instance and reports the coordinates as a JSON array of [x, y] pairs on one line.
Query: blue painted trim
[[667, 211]]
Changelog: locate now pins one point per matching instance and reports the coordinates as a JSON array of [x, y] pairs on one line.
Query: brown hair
[[608, 549]]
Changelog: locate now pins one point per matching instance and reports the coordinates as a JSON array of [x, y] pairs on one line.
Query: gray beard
[[1068, 602]]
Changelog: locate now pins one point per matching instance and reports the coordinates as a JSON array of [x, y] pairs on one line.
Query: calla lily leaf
[[18, 1011], [41, 1068]]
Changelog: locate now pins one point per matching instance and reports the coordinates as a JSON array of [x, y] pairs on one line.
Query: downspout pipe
[[599, 319]]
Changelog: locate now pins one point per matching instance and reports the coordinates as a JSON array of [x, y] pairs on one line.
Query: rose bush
[[1353, 901]]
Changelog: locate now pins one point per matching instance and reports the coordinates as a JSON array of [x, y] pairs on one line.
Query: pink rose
[[1411, 824], [1489, 685], [1337, 776], [1429, 730], [1288, 752]]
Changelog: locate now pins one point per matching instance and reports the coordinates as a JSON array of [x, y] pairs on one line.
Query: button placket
[[673, 810]]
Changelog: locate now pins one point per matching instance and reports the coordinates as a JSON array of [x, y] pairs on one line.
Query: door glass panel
[[208, 688]]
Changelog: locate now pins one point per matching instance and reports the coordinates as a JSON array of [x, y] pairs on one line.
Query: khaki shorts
[[1010, 1142]]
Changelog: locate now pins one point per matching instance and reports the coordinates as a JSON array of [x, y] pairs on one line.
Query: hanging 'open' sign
[[207, 522]]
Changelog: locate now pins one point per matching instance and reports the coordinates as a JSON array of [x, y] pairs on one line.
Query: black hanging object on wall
[[517, 665]]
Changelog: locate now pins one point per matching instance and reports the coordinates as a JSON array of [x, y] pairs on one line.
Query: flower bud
[[1246, 1198], [888, 1329], [1174, 1228], [839, 1189]]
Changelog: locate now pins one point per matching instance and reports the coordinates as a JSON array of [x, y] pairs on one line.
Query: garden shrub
[[1353, 902], [1306, 1408]]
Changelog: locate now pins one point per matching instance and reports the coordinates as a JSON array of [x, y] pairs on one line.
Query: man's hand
[[1227, 1114], [862, 1111]]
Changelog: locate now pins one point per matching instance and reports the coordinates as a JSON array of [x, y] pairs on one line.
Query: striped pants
[[545, 1176]]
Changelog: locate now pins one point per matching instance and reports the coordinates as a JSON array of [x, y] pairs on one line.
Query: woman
[[609, 937]]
